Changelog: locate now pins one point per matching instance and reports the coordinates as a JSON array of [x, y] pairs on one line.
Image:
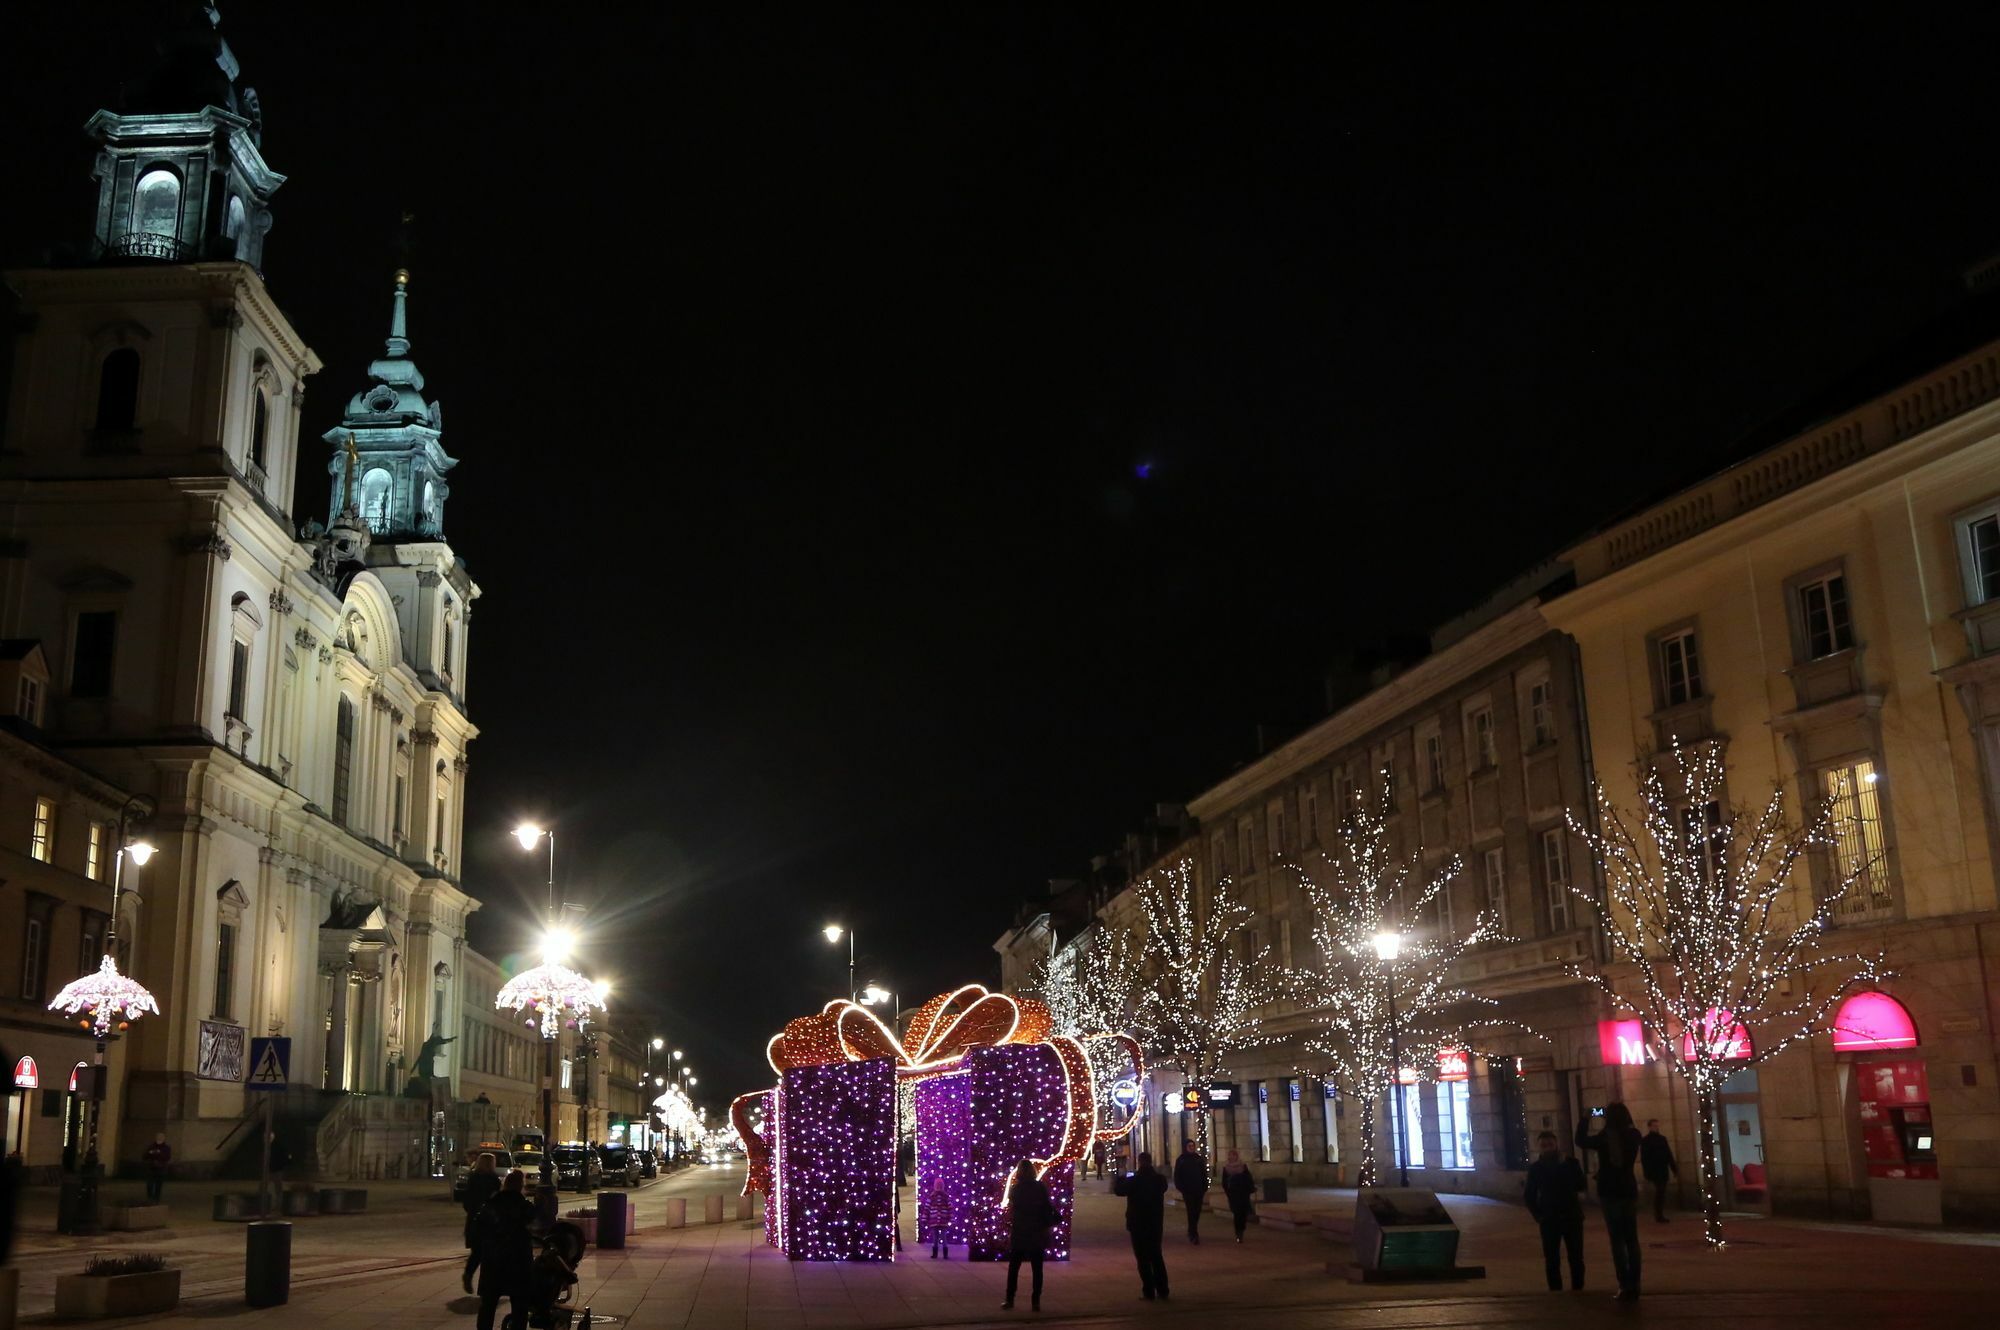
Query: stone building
[[289, 704]]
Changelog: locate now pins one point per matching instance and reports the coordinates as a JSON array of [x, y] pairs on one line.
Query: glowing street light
[[1388, 946], [658, 1043], [833, 934]]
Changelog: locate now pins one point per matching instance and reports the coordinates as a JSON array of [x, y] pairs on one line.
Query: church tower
[[398, 461]]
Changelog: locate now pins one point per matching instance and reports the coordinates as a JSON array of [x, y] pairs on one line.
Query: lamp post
[[1389, 945], [833, 934], [108, 998]]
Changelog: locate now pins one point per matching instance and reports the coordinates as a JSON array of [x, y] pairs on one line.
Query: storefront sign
[[1869, 1021], [219, 1052], [1722, 1034], [1454, 1065], [1406, 1076], [81, 1066], [1193, 1098], [27, 1076], [1125, 1093], [1221, 1093], [1623, 1043]]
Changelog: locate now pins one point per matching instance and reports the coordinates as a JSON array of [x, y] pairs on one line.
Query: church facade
[[284, 701]]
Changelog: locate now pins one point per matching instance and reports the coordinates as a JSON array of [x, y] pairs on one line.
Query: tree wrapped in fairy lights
[[1716, 946], [1201, 1001], [1362, 894], [1091, 983]]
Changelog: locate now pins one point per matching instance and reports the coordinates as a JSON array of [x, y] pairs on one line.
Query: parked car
[[620, 1165], [503, 1159], [577, 1167]]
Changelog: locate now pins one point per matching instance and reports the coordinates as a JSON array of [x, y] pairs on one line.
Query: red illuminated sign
[[1623, 1043], [72, 1075], [1872, 1021], [27, 1076], [1722, 1034], [1454, 1065]]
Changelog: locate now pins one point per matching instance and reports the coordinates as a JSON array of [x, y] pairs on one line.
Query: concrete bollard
[[10, 1296], [267, 1263], [712, 1208], [611, 1216], [677, 1212], [744, 1204]]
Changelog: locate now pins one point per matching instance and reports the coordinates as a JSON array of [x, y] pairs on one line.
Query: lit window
[[93, 855], [1454, 1110], [42, 840], [156, 204], [1555, 873], [1823, 616], [1496, 887], [1860, 850], [1680, 668], [1409, 1128]]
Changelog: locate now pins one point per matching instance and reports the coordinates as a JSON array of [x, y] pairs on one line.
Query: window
[[1433, 762], [1454, 1109], [156, 204], [1218, 855], [42, 839], [31, 960], [343, 760], [1406, 1132], [1555, 875], [1330, 1115], [1285, 943], [1260, 1094], [118, 392], [1860, 851], [1496, 887], [260, 425], [1387, 767], [440, 819], [1823, 619], [444, 657], [1274, 820], [91, 657], [239, 678], [1298, 1142], [1485, 751], [1703, 839], [376, 500], [225, 969], [90, 946], [1308, 815], [1445, 921], [396, 812], [28, 701], [93, 854], [1979, 554], [1246, 845], [1680, 668], [1541, 714], [1343, 798]]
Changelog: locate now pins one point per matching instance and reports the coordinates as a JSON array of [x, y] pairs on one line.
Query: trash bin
[[267, 1263], [611, 1220]]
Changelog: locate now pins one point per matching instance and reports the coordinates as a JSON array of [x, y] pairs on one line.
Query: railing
[[146, 245]]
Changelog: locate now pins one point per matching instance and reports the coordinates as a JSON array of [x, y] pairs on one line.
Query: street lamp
[[108, 998], [833, 933], [1388, 946]]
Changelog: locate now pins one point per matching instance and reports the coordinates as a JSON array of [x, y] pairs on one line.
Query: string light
[[838, 1162], [107, 997], [1700, 915], [547, 993]]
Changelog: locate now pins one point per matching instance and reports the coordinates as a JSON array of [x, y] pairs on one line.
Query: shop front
[[1886, 1087]]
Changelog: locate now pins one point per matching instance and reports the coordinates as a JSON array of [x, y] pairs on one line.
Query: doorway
[[1739, 1132]]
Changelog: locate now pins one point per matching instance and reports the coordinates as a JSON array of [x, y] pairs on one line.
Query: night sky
[[899, 446]]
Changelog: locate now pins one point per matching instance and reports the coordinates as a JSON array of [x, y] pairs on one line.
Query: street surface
[[399, 1265]]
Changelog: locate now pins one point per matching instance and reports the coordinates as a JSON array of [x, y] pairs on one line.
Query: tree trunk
[[1367, 1176], [1711, 1173]]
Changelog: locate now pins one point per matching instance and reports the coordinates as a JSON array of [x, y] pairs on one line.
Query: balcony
[[146, 245]]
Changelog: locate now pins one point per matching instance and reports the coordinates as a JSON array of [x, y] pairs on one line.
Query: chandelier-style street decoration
[[106, 997], [550, 994]]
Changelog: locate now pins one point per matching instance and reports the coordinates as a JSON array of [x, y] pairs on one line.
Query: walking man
[[1145, 1193], [1656, 1161], [1191, 1181], [1554, 1193]]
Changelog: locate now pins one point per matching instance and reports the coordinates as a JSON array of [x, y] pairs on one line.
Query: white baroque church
[[285, 702]]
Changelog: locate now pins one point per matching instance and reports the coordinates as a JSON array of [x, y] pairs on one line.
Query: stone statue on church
[[420, 1079]]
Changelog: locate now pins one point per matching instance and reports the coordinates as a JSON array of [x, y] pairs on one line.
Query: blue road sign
[[270, 1064]]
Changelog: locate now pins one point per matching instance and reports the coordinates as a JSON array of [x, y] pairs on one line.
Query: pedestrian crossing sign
[[270, 1064]]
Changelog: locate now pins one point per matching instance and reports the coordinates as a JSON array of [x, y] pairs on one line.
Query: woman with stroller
[[505, 1255]]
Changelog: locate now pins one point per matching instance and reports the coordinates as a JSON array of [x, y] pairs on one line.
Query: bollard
[[10, 1296], [743, 1204], [267, 1263], [677, 1211], [711, 1208], [610, 1220]]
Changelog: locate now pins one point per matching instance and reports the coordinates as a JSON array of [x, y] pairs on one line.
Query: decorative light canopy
[[108, 998], [548, 993]]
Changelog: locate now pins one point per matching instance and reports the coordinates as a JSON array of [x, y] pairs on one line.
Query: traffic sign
[[270, 1064]]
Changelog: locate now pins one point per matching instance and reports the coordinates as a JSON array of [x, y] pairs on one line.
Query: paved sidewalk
[[400, 1267]]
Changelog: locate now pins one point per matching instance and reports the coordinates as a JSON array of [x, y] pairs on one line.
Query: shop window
[[1330, 1116], [1298, 1143], [1454, 1111], [1260, 1095], [1406, 1131]]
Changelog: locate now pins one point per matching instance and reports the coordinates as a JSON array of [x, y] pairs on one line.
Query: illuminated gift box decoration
[[991, 1086]]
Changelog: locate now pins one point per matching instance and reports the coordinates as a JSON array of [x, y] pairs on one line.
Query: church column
[[336, 1035]]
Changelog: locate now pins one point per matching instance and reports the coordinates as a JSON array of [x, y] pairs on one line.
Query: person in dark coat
[[1554, 1193], [1240, 1188], [158, 1155], [1617, 1149], [1656, 1161], [1031, 1216], [1191, 1181], [506, 1250], [1145, 1193], [481, 1185]]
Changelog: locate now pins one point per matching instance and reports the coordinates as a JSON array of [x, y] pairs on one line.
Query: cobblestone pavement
[[399, 1266]]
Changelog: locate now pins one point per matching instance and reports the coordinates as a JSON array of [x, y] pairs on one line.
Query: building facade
[[289, 703]]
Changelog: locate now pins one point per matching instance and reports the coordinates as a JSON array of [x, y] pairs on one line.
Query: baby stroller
[[551, 1282]]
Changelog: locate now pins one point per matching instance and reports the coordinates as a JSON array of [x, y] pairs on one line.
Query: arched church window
[[343, 760], [375, 498], [232, 221], [118, 391], [430, 506], [156, 204], [260, 424]]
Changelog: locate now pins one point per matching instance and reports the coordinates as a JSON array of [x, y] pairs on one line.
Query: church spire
[[396, 435]]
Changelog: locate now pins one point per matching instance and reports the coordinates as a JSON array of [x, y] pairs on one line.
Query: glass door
[[1739, 1129]]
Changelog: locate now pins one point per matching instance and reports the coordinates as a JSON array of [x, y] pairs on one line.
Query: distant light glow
[[141, 852], [1144, 470]]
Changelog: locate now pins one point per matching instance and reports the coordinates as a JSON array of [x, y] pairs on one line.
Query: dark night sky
[[802, 364]]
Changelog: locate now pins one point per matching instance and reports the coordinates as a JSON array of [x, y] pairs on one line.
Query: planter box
[[130, 1218], [93, 1296], [588, 1223]]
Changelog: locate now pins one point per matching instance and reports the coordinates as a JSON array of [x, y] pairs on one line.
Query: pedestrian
[[1030, 1218], [1656, 1161], [480, 1187], [506, 1251], [1191, 1181], [1617, 1148], [1097, 1153], [1145, 1193], [937, 1213], [278, 1157], [1554, 1193], [158, 1155], [1240, 1188]]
